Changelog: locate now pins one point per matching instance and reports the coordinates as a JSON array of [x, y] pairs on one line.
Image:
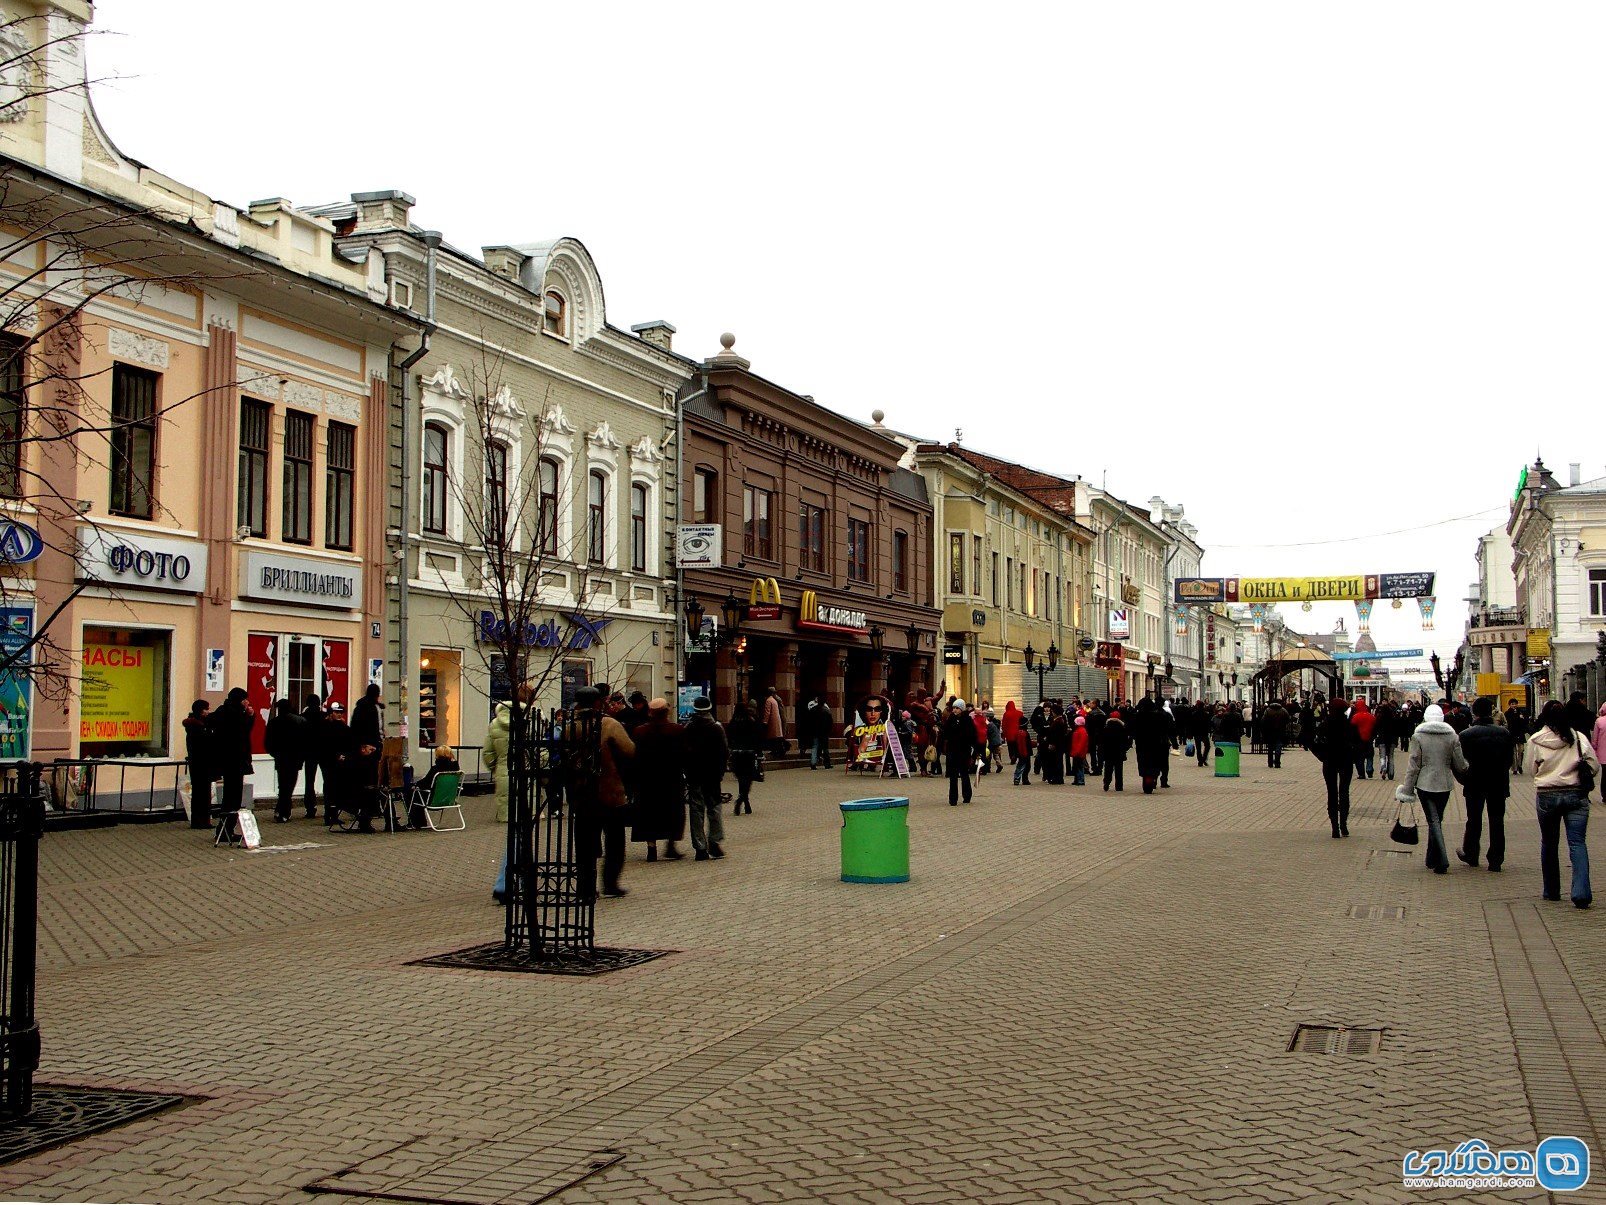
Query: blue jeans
[[1571, 808], [501, 879], [1363, 764], [1023, 770], [1386, 758], [820, 750], [1079, 767], [1433, 805]]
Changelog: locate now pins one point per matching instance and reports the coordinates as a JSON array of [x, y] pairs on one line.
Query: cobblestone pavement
[[1080, 996]]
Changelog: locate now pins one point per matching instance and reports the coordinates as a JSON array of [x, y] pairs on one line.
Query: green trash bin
[[875, 840], [1227, 759]]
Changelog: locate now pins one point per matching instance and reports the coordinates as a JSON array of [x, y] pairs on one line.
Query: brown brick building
[[820, 504]]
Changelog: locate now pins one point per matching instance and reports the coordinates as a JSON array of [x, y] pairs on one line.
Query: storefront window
[[440, 684], [124, 695]]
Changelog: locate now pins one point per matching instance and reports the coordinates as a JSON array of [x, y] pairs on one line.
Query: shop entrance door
[[812, 672]]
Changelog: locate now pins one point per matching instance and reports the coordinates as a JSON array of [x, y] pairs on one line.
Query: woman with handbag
[[746, 737], [1437, 763], [1564, 769]]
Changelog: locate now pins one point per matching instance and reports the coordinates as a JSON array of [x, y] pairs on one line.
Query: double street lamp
[[1029, 655], [731, 612]]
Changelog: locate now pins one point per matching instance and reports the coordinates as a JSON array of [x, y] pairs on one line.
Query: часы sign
[[304, 580], [149, 562]]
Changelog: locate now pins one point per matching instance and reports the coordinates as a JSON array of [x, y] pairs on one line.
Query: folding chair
[[445, 796]]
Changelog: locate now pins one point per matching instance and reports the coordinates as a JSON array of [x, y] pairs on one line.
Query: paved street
[[1080, 997]]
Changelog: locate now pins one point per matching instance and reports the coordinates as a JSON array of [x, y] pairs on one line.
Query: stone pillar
[[785, 679], [724, 683], [878, 676], [220, 440], [920, 678], [836, 685]]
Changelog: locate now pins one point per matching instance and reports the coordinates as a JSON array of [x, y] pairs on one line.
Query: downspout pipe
[[432, 242]]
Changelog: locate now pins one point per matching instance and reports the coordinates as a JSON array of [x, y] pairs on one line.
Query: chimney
[[504, 261], [383, 210], [657, 332], [1573, 473]]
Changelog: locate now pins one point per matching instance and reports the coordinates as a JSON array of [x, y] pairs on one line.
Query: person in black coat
[[1114, 741], [1335, 745], [745, 736], [1488, 747], [230, 729], [659, 803], [1517, 725], [1274, 727], [285, 740], [337, 750], [1152, 742], [312, 714], [1095, 718], [1579, 716], [202, 760], [960, 748], [1199, 729], [815, 725]]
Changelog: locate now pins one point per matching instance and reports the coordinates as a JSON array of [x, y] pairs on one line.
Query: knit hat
[[1433, 715], [959, 703], [1080, 722]]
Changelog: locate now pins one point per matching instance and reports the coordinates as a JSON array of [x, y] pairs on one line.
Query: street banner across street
[[1359, 587]]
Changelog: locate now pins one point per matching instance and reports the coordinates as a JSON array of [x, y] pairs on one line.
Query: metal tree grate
[[62, 1115], [497, 956], [1335, 1039], [1374, 912]]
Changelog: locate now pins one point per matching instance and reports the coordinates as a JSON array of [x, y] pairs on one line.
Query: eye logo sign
[[1559, 1164]]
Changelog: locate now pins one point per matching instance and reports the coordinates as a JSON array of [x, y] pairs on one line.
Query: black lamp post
[[1029, 656], [877, 637], [912, 635]]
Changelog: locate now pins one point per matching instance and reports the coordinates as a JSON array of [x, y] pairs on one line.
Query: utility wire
[[1377, 535]]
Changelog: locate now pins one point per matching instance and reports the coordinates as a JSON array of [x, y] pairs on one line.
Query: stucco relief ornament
[[444, 380], [502, 404], [553, 422], [603, 437], [17, 60], [645, 451]]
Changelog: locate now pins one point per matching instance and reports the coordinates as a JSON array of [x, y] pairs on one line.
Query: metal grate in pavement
[[63, 1115], [1374, 912], [444, 1170], [1335, 1039], [495, 956]]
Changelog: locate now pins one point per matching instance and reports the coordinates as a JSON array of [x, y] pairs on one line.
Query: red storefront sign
[[337, 673], [261, 682]]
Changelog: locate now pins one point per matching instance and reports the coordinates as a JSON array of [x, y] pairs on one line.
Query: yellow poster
[[1489, 684], [1304, 589], [1513, 692], [1539, 644], [118, 693]]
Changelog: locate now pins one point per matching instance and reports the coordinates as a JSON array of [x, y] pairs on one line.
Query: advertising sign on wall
[[148, 562], [117, 698], [697, 546], [1120, 624], [337, 673], [300, 579], [1353, 587], [16, 626], [261, 681]]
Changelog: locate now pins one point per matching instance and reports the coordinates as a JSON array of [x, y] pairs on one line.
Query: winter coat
[[1553, 760], [615, 752], [1581, 718], [367, 723], [230, 728], [774, 727], [1199, 722], [1151, 740], [817, 723], [1363, 721], [1113, 740], [498, 743], [1012, 720], [198, 749], [285, 739], [1096, 719], [1275, 722], [1517, 723], [1598, 739], [1020, 744], [980, 721], [1488, 748], [1386, 730], [995, 733], [744, 735], [959, 743], [1229, 726], [659, 772], [1079, 741], [707, 750], [1436, 759], [1335, 740]]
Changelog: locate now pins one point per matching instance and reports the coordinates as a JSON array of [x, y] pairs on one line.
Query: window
[[297, 478], [338, 486], [756, 539], [811, 537], [705, 496], [1597, 591], [496, 516], [1009, 583], [437, 444], [995, 580], [900, 561], [975, 565], [133, 441], [858, 550], [13, 413], [554, 314], [596, 508], [547, 504], [251, 509], [1022, 568], [956, 563], [638, 528]]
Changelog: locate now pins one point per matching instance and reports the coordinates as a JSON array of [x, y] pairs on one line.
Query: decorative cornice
[[307, 397], [126, 345], [645, 451], [603, 437], [502, 404], [256, 382], [553, 421], [444, 380]]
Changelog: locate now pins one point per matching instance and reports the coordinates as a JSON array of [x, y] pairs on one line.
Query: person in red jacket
[[1020, 748], [1365, 723], [1079, 746]]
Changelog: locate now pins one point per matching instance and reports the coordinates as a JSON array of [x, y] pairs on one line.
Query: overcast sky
[[1314, 271]]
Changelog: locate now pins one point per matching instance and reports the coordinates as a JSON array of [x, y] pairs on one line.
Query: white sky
[[1163, 241]]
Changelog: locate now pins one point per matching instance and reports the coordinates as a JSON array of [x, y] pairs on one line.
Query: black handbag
[[1404, 834], [1586, 776]]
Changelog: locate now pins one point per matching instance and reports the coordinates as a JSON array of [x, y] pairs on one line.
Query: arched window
[[638, 528], [496, 493], [554, 316], [597, 515], [437, 445], [547, 506]]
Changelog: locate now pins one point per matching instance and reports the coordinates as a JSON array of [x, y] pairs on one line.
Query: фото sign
[[299, 579], [148, 562]]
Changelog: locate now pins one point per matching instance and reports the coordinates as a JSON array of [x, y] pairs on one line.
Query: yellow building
[[1013, 568]]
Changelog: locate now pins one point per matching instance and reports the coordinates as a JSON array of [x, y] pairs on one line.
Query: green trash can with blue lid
[[875, 840], [1227, 754]]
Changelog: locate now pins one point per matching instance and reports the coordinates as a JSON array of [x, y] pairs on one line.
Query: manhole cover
[[446, 1170], [1335, 1039], [62, 1115], [496, 956], [1374, 912]]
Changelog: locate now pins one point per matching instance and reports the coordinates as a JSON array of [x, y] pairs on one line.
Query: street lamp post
[[731, 612], [1051, 658]]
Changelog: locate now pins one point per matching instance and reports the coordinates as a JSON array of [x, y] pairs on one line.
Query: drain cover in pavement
[[1335, 1039], [1374, 912], [498, 957], [62, 1115], [456, 1170]]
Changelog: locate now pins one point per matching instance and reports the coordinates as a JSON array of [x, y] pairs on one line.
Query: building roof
[[1054, 493]]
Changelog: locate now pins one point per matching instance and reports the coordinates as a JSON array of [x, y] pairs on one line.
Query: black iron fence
[[139, 785], [22, 819]]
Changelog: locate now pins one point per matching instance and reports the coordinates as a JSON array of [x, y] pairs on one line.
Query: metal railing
[[22, 818], [1499, 617], [141, 785]]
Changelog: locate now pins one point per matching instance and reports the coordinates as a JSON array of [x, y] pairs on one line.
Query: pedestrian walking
[[285, 740], [995, 742], [1487, 783], [230, 729], [1564, 768], [1113, 744], [1384, 734], [1517, 724], [817, 724], [1365, 724], [1150, 742], [774, 725], [495, 756], [596, 788], [746, 739], [1335, 746], [1096, 717], [1274, 724], [312, 714], [1597, 739], [1020, 751], [959, 746], [1436, 763], [201, 755], [707, 756], [1199, 727], [368, 734], [659, 774], [1055, 745], [1079, 748], [1579, 715]]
